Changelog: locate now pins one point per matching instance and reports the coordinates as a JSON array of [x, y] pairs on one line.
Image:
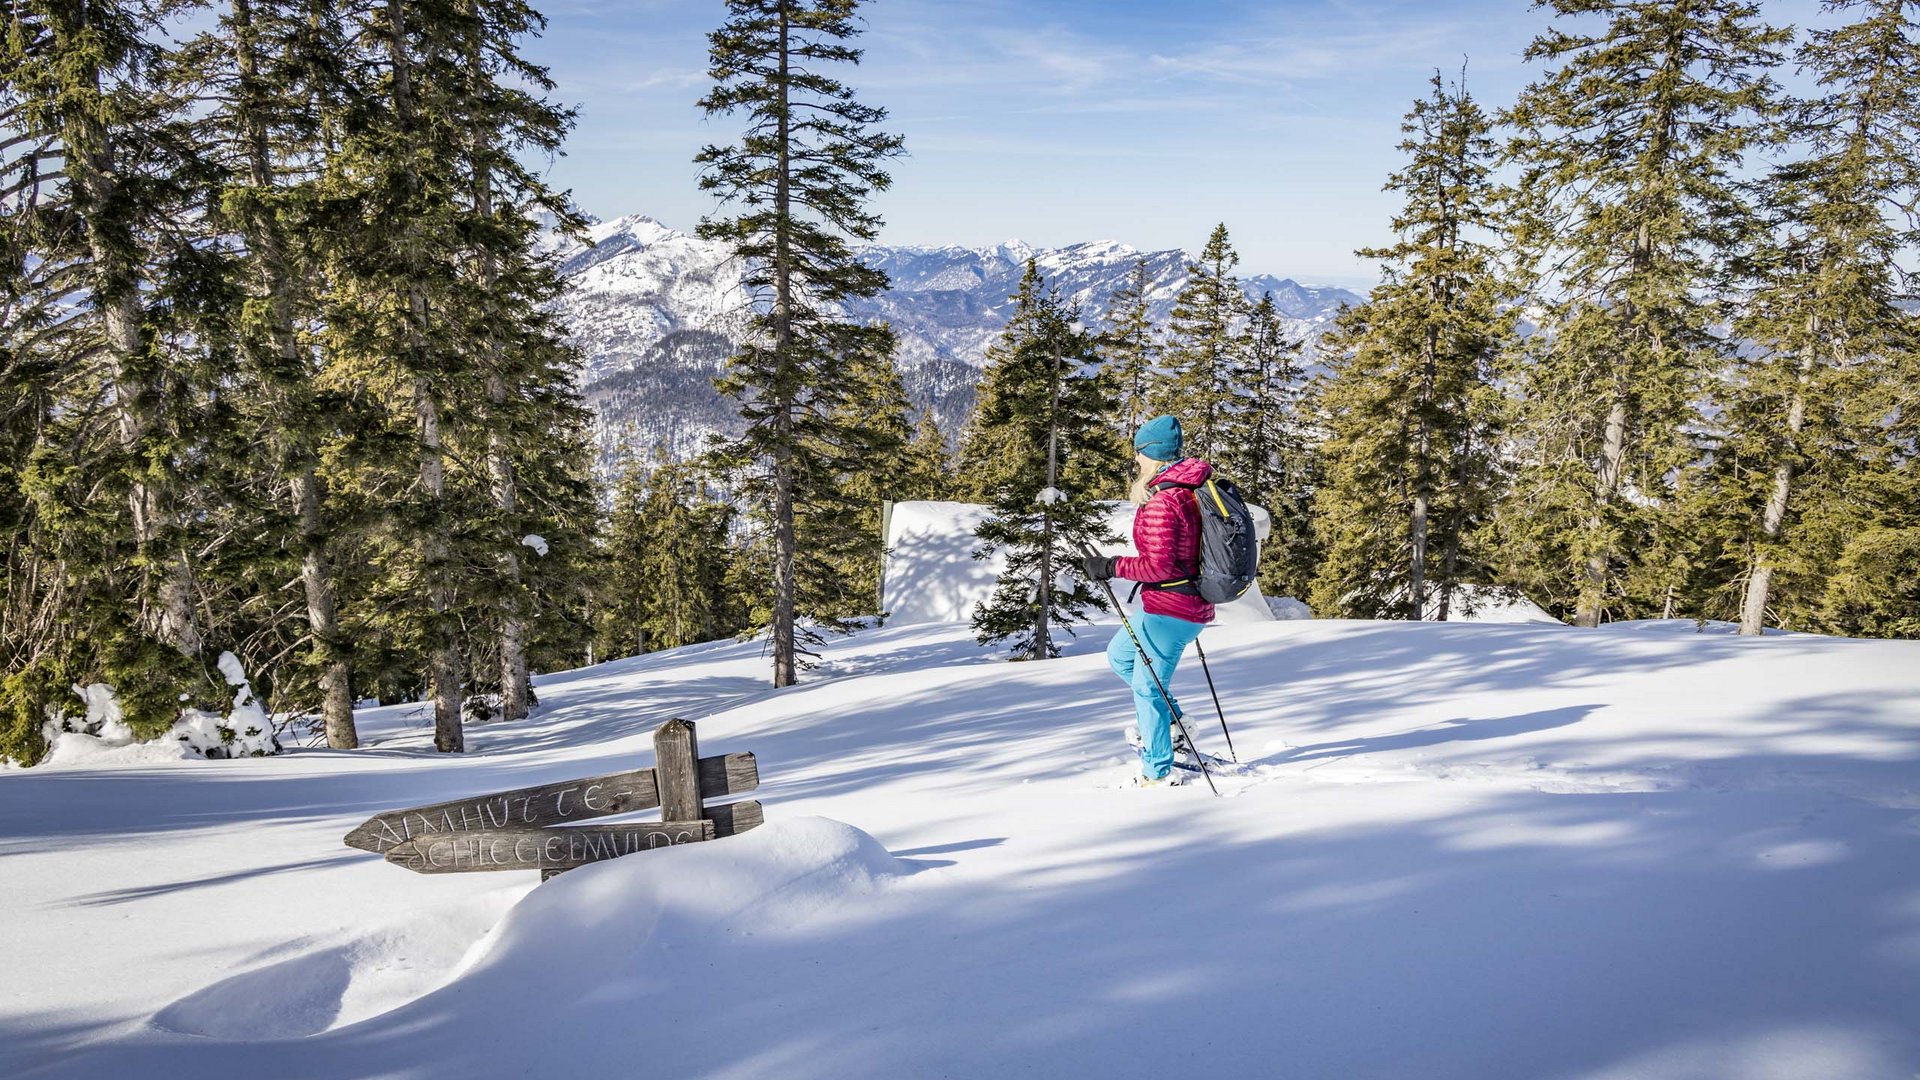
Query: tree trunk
[[1043, 586], [1423, 476], [1753, 608], [1613, 462], [336, 666], [1450, 556], [443, 662], [783, 529], [515, 686]]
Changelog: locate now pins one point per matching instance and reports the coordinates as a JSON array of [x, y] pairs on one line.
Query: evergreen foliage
[[874, 415], [1131, 344], [111, 348], [665, 562], [275, 335], [1266, 450], [801, 173], [927, 466], [1409, 404], [1801, 420], [1039, 442], [1627, 152], [1201, 344]]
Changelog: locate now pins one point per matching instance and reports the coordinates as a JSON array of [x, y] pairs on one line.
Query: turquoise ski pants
[[1164, 638]]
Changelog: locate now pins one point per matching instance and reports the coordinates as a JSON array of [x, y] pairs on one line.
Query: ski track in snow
[[1448, 851]]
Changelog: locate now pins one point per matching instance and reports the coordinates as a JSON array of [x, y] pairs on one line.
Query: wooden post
[[674, 756]]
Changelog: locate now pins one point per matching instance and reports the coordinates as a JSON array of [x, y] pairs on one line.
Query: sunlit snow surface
[[1470, 851]]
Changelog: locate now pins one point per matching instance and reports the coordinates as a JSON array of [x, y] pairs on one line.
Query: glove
[[1098, 567]]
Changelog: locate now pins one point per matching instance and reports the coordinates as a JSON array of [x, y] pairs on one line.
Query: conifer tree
[[1266, 450], [874, 416], [1409, 404], [440, 317], [927, 471], [1627, 153], [397, 164], [1039, 441], [620, 608], [1131, 345], [98, 185], [801, 174], [535, 425], [1801, 419], [682, 559], [1201, 344], [272, 68]]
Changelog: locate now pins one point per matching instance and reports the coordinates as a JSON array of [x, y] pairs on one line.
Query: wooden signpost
[[531, 828]]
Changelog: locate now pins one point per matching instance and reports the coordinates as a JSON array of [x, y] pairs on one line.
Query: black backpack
[[1229, 551]]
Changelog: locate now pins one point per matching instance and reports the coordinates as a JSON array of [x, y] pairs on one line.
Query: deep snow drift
[[1463, 851]]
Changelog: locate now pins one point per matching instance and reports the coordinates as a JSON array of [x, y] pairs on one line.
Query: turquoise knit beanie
[[1159, 439]]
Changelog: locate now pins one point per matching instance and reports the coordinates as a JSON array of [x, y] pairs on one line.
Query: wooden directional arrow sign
[[540, 849], [551, 804], [528, 828]]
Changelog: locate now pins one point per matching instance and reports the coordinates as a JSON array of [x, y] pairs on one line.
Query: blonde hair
[[1148, 469]]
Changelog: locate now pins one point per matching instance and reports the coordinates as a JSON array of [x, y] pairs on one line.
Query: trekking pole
[[1216, 701], [1172, 709]]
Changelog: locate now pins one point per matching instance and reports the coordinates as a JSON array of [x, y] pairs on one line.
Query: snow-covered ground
[[1473, 851]]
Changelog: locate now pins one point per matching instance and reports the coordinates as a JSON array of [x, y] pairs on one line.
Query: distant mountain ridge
[[656, 312]]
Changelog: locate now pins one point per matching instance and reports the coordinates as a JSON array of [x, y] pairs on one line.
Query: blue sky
[[1056, 121]]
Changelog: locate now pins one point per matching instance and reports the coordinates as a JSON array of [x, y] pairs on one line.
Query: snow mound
[[592, 924], [102, 737], [345, 983], [1482, 604], [576, 936], [1288, 609]]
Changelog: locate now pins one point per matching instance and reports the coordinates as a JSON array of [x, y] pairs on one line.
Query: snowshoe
[[1185, 757]]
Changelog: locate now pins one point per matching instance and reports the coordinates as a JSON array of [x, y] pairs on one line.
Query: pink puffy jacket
[[1166, 533]]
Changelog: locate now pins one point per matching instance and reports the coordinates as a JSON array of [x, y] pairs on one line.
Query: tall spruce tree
[[440, 317], [1039, 442], [113, 344], [1627, 152], [1266, 449], [273, 70], [928, 463], [535, 426], [802, 172], [665, 561], [1131, 344], [1202, 341], [1803, 425], [1409, 403], [397, 163], [875, 410]]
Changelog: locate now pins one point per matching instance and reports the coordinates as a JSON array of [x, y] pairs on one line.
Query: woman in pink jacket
[[1166, 533]]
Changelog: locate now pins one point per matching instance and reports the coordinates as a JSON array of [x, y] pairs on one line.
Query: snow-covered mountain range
[[656, 311]]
